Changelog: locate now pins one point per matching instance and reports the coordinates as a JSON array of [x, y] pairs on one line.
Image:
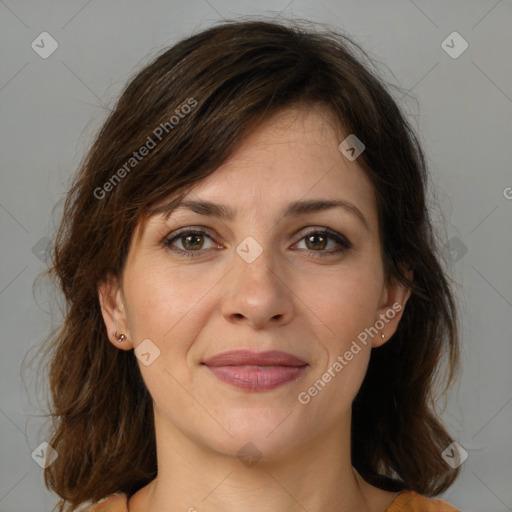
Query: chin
[[265, 434]]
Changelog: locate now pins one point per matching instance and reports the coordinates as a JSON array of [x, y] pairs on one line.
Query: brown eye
[[316, 241], [194, 241], [319, 240], [188, 241]]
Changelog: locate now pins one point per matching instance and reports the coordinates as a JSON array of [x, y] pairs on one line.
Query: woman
[[256, 312]]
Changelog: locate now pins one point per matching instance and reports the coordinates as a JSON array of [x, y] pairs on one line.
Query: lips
[[245, 357], [254, 371]]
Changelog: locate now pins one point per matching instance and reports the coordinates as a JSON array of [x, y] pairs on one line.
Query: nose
[[257, 293]]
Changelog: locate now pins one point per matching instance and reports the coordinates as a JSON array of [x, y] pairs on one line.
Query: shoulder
[[117, 502], [411, 501]]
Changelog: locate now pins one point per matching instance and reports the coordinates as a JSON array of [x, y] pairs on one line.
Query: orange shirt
[[406, 501]]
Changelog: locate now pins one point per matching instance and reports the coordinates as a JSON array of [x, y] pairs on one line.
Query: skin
[[286, 299]]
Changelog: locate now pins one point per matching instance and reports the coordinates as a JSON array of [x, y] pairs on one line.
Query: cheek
[[163, 306], [160, 299], [343, 302], [342, 308]]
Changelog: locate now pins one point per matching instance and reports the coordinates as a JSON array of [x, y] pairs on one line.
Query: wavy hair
[[233, 76]]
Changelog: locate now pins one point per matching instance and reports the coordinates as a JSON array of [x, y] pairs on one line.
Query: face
[[288, 270]]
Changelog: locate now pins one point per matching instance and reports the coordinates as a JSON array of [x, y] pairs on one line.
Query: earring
[[382, 336], [120, 337]]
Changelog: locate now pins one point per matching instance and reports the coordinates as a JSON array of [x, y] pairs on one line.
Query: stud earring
[[120, 337], [382, 336]]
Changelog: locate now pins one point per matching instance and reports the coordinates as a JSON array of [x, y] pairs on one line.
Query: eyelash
[[329, 233]]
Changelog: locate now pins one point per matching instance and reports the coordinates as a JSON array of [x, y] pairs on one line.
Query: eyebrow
[[295, 209]]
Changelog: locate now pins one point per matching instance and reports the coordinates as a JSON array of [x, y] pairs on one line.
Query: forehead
[[291, 156]]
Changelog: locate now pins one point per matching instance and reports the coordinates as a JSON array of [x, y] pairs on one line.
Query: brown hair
[[233, 76]]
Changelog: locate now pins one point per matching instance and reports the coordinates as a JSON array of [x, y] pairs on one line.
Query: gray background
[[462, 107]]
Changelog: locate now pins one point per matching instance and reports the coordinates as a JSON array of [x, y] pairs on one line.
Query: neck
[[316, 476]]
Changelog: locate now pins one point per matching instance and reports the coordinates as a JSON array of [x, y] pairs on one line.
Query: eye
[[317, 240], [191, 241]]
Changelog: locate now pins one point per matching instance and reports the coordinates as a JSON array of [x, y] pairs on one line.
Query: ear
[[391, 307], [111, 299]]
